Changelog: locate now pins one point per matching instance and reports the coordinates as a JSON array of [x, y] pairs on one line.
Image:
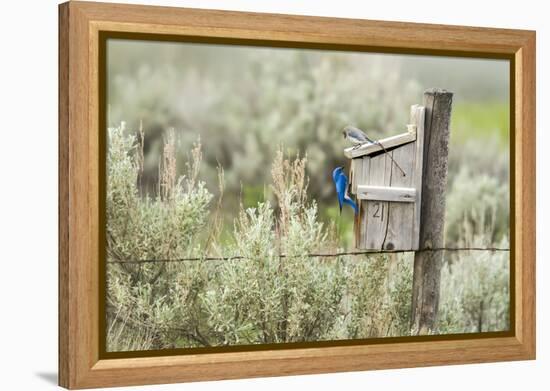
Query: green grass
[[252, 195], [262, 298], [343, 221], [482, 120]]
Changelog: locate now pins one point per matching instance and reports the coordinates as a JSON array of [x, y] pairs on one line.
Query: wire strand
[[313, 255]]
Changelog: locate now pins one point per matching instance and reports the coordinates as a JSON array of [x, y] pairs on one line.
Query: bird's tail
[[352, 203]]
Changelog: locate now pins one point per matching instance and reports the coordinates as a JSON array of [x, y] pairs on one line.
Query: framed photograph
[[247, 195]]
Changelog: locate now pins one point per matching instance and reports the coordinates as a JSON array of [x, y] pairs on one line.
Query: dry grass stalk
[[140, 157], [289, 186], [217, 220], [167, 167], [194, 164]]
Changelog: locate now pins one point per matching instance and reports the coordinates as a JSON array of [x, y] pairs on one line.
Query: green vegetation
[[254, 295], [243, 193], [484, 121]]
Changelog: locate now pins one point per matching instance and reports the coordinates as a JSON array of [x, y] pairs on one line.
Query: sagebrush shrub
[[266, 287]]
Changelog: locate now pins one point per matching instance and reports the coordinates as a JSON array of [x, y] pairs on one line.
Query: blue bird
[[356, 136], [341, 183]]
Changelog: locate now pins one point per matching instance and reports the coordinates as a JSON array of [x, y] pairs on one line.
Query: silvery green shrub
[[254, 295]]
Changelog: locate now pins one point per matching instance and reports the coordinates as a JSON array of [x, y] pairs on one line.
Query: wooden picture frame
[[81, 24]]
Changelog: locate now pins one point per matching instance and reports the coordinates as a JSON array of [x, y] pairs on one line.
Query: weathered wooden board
[[361, 221], [381, 193], [418, 117], [399, 234], [376, 215], [389, 191], [356, 173], [370, 148], [427, 264]]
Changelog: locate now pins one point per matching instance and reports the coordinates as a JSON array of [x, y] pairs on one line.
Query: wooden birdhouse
[[386, 181]]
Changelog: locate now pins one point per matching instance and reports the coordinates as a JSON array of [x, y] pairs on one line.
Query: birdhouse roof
[[389, 142]]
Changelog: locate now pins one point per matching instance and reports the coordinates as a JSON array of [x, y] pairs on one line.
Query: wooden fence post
[[427, 264]]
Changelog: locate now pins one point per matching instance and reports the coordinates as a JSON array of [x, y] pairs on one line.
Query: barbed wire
[[312, 255]]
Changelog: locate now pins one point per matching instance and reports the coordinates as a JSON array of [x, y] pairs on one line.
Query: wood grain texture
[[388, 200], [63, 178], [395, 194], [362, 218], [524, 234], [427, 264], [387, 143], [293, 28], [80, 23], [376, 215], [356, 172], [417, 119], [389, 195], [401, 214], [78, 289]]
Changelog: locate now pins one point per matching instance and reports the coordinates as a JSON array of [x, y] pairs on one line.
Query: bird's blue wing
[[343, 197], [341, 185], [335, 176]]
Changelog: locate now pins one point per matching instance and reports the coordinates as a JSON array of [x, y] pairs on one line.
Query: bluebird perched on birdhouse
[[356, 136]]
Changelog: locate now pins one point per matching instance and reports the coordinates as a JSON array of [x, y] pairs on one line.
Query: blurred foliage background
[[244, 105]]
